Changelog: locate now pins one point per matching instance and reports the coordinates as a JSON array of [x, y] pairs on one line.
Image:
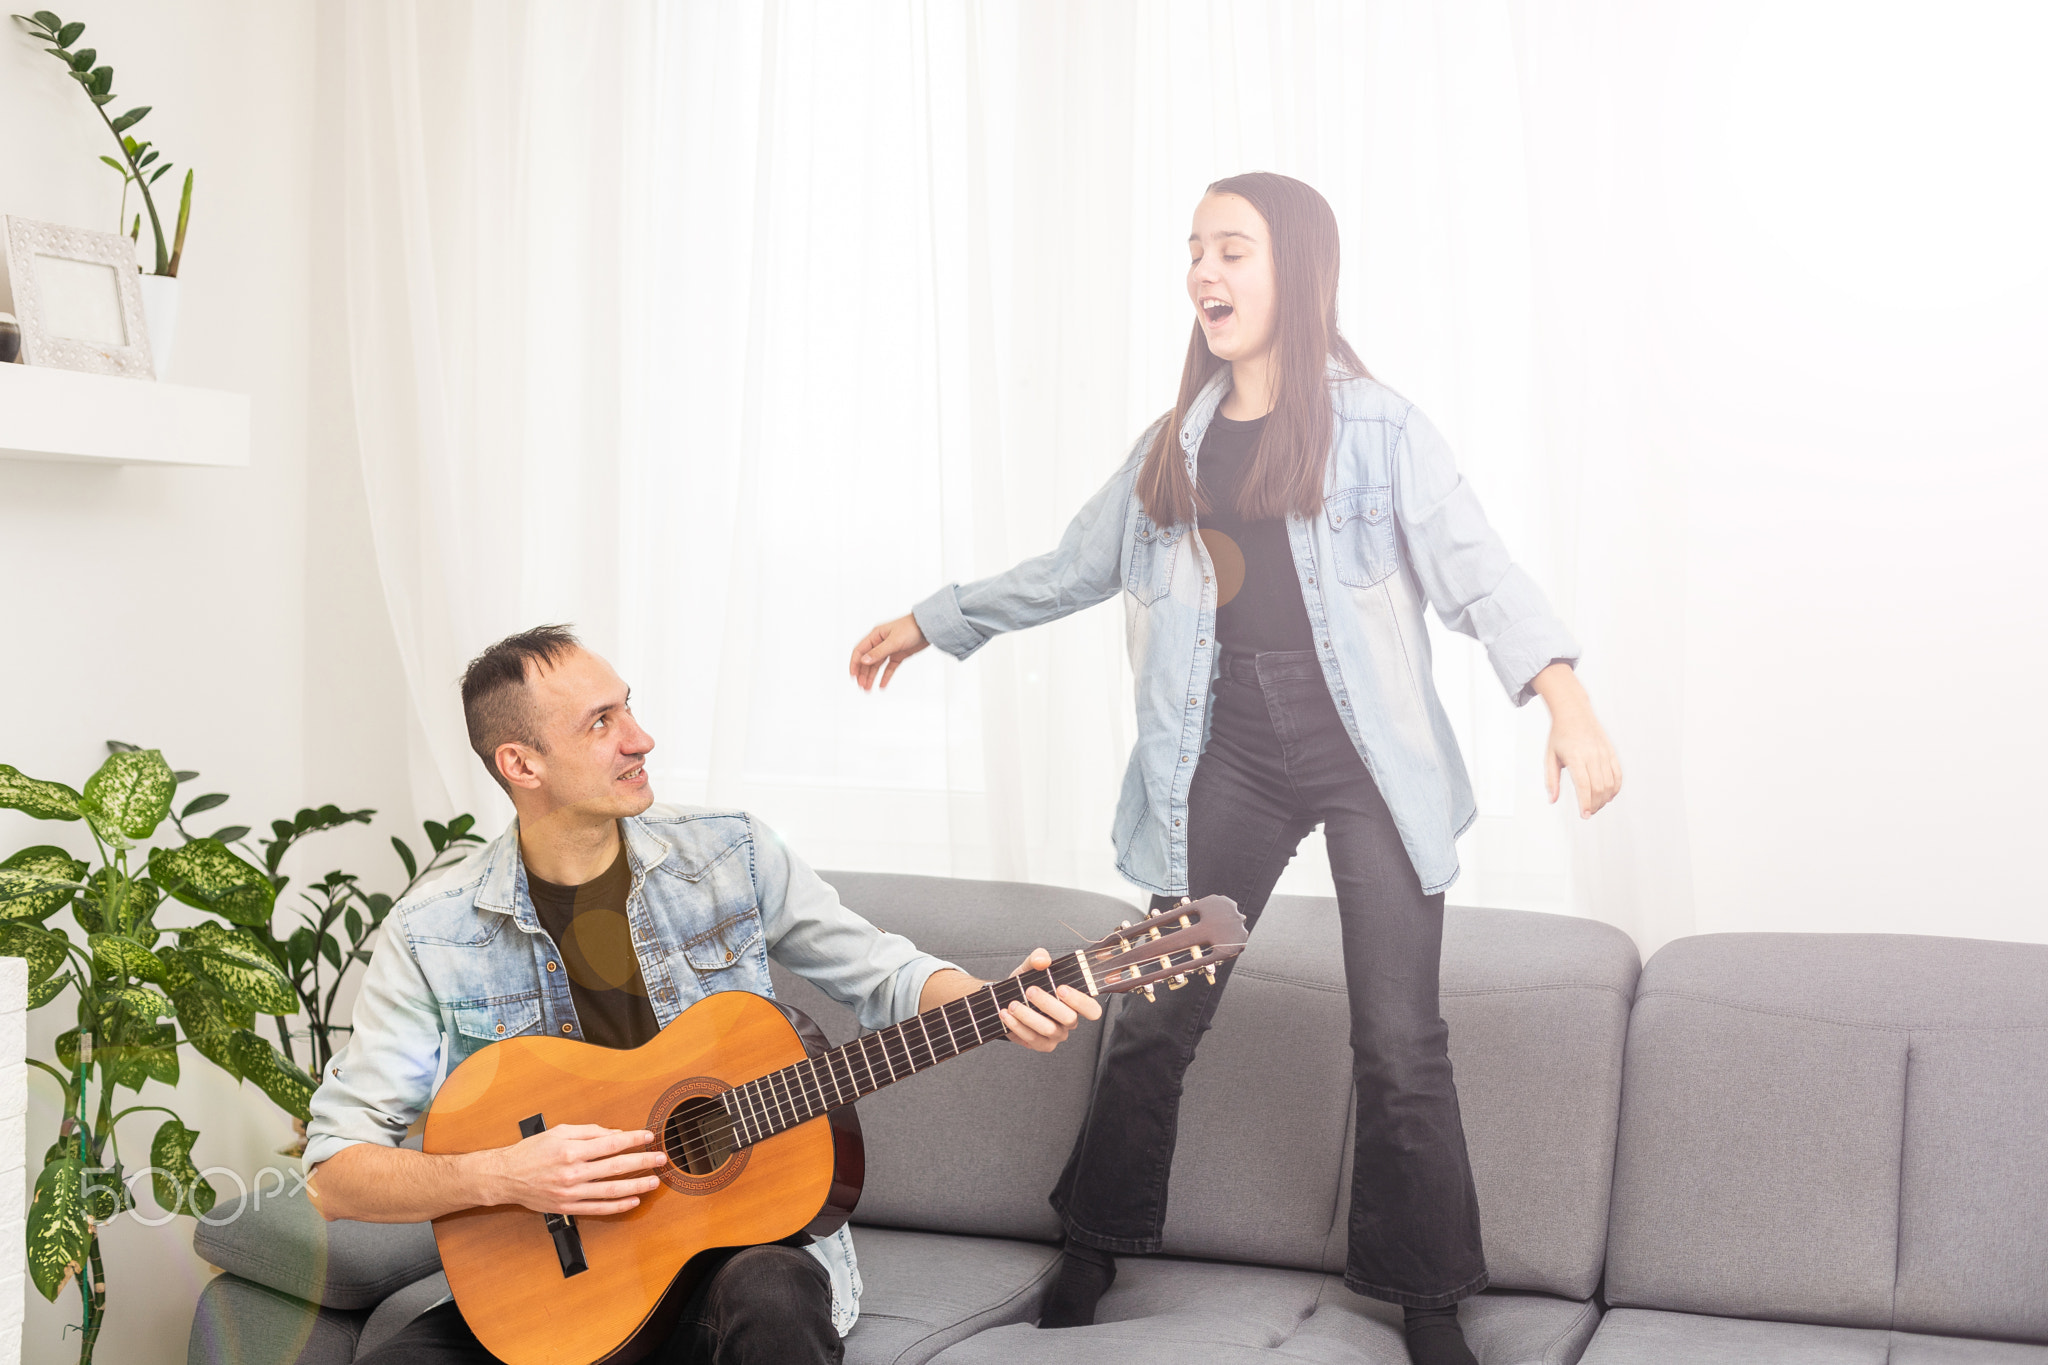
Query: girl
[[1278, 534]]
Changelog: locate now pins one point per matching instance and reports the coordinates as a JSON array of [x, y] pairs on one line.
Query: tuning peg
[[1177, 982], [1185, 901], [1185, 923], [1125, 925], [1211, 973], [1150, 998]]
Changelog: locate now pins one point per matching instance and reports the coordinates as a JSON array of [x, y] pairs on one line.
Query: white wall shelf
[[50, 414]]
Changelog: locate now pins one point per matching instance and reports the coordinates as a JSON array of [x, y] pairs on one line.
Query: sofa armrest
[[281, 1241]]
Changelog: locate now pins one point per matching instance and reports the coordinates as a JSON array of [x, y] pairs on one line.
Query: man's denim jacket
[[465, 963], [1399, 527]]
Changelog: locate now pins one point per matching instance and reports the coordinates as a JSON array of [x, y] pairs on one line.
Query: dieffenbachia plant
[[142, 991]]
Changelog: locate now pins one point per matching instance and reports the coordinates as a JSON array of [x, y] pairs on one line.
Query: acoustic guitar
[[756, 1114]]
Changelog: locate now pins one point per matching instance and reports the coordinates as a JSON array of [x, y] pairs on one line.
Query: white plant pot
[[160, 309]]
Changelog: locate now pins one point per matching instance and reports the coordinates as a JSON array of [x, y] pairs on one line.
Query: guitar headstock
[[1172, 946]]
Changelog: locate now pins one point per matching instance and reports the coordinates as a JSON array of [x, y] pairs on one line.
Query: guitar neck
[[797, 1094]]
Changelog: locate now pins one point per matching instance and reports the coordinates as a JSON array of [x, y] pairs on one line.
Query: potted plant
[[144, 991], [140, 166]]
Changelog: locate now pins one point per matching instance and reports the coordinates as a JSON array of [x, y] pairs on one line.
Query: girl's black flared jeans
[[1278, 763]]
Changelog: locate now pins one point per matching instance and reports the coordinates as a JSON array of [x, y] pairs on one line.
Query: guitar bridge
[[561, 1227]]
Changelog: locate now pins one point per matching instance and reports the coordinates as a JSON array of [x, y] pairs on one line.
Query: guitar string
[[770, 1112]]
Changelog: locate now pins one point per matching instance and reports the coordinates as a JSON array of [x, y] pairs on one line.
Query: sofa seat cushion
[[1169, 1310], [239, 1323], [1639, 1336], [280, 1240], [923, 1291]]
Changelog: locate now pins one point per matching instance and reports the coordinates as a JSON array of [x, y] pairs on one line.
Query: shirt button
[[568, 1028], [501, 1028], [552, 966], [1311, 582], [1183, 758], [1201, 642], [1205, 578], [728, 957], [1326, 644], [1176, 824], [1194, 701]]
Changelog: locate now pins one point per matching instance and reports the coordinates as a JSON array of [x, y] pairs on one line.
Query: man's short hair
[[495, 703]]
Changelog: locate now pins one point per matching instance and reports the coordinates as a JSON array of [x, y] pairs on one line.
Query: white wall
[[199, 610]]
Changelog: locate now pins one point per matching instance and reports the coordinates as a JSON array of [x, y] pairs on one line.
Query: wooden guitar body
[[518, 1282]]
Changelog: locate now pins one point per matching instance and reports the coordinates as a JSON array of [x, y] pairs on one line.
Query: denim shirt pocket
[[489, 1021], [1362, 534], [723, 946], [1152, 554]]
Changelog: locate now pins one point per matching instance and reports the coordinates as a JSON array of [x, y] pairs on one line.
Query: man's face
[[595, 761]]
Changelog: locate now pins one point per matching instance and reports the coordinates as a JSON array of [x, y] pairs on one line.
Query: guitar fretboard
[[816, 1085]]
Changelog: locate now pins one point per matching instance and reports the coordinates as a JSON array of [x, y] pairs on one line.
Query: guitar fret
[[841, 1088], [883, 1041], [784, 1107], [732, 1116], [949, 1030], [814, 1093], [753, 1114], [929, 1051]]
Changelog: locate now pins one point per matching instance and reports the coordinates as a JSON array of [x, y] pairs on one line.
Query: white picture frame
[[78, 299]]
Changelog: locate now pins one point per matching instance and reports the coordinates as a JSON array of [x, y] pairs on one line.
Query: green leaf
[[43, 950], [209, 1019], [301, 946], [115, 164], [227, 834], [461, 826], [146, 158], [437, 835], [131, 793], [122, 746], [199, 804], [176, 1179], [38, 882], [82, 59], [354, 920], [131, 118], [160, 173], [102, 80], [412, 868], [69, 34], [236, 963], [57, 1230], [121, 956], [141, 1002], [48, 20], [289, 1087], [106, 1193], [39, 996], [43, 800], [185, 775], [330, 950], [204, 874], [67, 1053], [151, 1055]]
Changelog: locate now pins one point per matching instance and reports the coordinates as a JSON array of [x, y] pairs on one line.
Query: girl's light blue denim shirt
[[1399, 527], [465, 963]]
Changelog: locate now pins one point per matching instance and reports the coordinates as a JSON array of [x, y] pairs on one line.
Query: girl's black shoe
[[1434, 1337], [1085, 1276]]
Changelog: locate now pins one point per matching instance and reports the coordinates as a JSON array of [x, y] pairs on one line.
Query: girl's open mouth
[[1215, 310]]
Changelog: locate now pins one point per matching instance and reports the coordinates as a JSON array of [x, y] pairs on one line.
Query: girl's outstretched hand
[[1576, 742], [889, 643]]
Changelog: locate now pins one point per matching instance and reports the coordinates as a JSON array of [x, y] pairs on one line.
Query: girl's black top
[[1260, 605]]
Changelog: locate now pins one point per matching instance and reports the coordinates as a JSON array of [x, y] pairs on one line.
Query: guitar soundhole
[[698, 1136]]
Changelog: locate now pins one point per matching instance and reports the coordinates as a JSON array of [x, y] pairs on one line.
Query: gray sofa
[[1772, 1148]]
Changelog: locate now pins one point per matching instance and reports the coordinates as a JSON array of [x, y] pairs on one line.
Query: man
[[601, 917]]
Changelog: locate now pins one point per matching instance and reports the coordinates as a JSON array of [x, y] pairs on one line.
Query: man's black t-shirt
[[588, 924], [1258, 596]]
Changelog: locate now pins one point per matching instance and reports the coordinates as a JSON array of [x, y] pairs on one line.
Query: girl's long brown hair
[[1286, 473]]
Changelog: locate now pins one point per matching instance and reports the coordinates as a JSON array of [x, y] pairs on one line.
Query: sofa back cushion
[[1538, 1010], [974, 1145], [1841, 1129]]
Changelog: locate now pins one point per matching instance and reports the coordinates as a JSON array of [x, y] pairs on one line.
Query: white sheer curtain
[[725, 330]]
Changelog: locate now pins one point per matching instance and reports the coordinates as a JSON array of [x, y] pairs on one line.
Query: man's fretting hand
[[1041, 1021]]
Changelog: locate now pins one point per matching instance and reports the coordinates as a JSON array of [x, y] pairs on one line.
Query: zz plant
[[143, 990]]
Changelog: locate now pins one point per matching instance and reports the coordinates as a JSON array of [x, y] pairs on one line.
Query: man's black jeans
[[1277, 764], [768, 1305]]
